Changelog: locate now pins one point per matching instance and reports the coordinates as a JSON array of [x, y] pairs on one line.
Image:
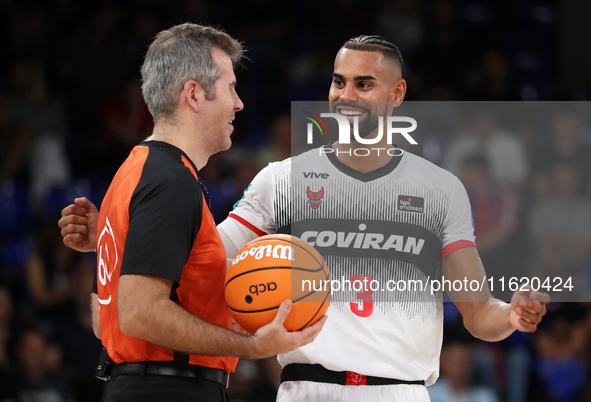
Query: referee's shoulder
[[164, 169]]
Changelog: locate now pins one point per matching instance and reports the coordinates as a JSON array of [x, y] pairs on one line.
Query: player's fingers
[[86, 204], [530, 316], [526, 295], [540, 297], [62, 223], [282, 312], [520, 297], [537, 307], [72, 239], [527, 326], [74, 229], [72, 209], [72, 220]]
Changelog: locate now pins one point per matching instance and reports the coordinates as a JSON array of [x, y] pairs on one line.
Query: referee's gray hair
[[180, 54]]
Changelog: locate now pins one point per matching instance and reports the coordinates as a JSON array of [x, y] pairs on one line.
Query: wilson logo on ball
[[280, 251]]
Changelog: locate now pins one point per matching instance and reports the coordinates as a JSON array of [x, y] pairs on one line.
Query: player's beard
[[369, 125]]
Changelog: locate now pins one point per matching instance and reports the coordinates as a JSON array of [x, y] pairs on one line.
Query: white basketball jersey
[[390, 228]]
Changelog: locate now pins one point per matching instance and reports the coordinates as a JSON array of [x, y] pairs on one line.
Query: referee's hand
[[273, 338]]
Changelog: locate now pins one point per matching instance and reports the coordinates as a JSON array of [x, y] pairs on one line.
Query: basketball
[[269, 270]]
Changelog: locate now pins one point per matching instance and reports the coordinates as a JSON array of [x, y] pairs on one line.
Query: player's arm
[[253, 215], [145, 311], [485, 317], [235, 235]]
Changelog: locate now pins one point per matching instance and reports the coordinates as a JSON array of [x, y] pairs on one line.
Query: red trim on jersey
[[456, 245], [355, 379], [248, 225]]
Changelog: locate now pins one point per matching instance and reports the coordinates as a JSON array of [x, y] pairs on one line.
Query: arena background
[[71, 109]]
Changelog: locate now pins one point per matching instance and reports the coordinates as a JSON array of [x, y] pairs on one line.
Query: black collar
[[356, 174]]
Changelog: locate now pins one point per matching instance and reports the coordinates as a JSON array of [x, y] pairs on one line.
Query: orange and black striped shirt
[[154, 221]]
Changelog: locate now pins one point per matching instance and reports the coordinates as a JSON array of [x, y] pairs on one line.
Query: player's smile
[[350, 111]]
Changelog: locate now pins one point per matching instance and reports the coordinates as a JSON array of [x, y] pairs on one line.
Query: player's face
[[365, 85], [220, 112]]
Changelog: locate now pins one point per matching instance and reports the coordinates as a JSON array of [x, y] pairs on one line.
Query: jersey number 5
[[361, 284]]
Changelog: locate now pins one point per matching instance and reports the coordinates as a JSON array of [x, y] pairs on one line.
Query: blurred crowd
[[71, 110]]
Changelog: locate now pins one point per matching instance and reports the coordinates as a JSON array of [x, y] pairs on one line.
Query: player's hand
[[273, 338], [527, 309], [78, 224]]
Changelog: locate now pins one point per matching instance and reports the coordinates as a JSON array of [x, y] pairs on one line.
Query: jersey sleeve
[[255, 209], [458, 231], [164, 219]]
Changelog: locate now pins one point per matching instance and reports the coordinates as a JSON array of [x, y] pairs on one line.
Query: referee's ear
[[192, 95]]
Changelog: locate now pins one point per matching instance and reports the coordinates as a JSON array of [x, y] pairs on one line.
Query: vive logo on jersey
[[314, 175], [315, 199], [408, 203]]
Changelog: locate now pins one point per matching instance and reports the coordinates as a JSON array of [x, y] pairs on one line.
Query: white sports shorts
[[308, 391]]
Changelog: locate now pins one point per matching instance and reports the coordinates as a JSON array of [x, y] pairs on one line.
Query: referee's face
[[218, 114], [366, 85]]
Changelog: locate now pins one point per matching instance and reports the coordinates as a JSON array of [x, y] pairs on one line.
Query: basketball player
[[390, 215], [414, 219]]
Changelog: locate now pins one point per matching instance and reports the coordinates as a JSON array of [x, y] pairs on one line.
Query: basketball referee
[[161, 262]]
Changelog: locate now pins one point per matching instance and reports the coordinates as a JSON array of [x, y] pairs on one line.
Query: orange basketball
[[271, 269]]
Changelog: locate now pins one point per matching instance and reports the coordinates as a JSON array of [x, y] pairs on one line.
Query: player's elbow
[[482, 330], [476, 333], [469, 325]]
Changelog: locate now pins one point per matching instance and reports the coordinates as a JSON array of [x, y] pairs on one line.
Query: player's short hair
[[180, 54], [375, 43]]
